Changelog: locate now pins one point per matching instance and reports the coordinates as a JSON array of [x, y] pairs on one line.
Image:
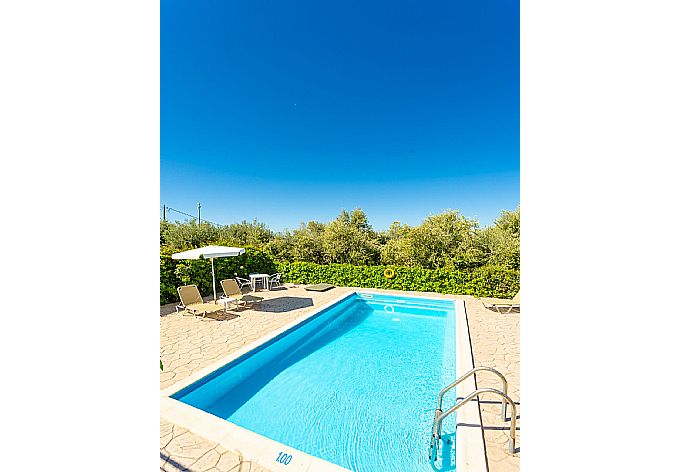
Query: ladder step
[[440, 415]]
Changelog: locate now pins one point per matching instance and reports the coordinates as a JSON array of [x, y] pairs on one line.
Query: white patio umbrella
[[210, 252]]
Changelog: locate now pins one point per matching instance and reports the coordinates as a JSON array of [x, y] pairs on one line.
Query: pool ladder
[[440, 415]]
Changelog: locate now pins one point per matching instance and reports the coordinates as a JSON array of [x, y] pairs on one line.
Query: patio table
[[255, 277]]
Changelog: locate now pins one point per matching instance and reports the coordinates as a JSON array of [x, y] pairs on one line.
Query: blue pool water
[[356, 385]]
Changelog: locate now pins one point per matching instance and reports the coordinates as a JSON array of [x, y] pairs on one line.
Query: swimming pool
[[354, 384]]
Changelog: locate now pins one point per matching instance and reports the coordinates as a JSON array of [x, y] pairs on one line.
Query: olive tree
[[350, 239]]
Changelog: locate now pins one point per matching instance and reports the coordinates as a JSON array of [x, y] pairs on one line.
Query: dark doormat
[[319, 287]]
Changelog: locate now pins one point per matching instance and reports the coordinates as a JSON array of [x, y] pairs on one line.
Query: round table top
[[257, 276]]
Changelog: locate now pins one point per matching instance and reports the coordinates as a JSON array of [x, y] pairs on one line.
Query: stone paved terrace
[[188, 345]]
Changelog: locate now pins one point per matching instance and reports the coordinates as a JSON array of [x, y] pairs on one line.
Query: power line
[[191, 216]]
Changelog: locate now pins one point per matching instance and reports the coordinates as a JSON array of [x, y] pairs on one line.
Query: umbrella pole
[[213, 273]]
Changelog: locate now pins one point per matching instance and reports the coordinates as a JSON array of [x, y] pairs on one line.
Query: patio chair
[[243, 282], [191, 302], [273, 280], [499, 303]]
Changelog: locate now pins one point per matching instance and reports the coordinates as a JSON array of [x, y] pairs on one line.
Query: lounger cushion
[[189, 295], [319, 287], [204, 307], [231, 288]]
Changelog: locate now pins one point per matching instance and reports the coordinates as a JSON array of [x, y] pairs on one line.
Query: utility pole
[[163, 212], [198, 207]]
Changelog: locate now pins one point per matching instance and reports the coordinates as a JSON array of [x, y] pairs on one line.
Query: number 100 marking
[[283, 458]]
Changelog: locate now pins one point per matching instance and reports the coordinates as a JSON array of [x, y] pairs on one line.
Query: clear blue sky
[[289, 111]]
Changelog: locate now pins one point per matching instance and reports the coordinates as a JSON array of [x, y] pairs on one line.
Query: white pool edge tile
[[470, 452]]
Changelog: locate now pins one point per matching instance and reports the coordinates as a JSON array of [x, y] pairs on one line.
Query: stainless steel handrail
[[466, 376], [440, 416]]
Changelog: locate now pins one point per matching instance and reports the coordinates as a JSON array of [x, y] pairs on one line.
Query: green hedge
[[487, 281], [168, 279]]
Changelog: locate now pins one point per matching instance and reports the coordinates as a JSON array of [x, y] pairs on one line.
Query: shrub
[[486, 281], [168, 278]]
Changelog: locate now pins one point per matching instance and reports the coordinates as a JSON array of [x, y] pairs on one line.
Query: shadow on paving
[[220, 316], [171, 461], [284, 304]]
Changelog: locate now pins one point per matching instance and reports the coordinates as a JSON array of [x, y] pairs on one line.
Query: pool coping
[[468, 423], [263, 451]]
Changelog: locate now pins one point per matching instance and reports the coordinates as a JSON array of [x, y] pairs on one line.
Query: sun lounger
[[191, 302], [232, 291], [499, 303], [251, 299]]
